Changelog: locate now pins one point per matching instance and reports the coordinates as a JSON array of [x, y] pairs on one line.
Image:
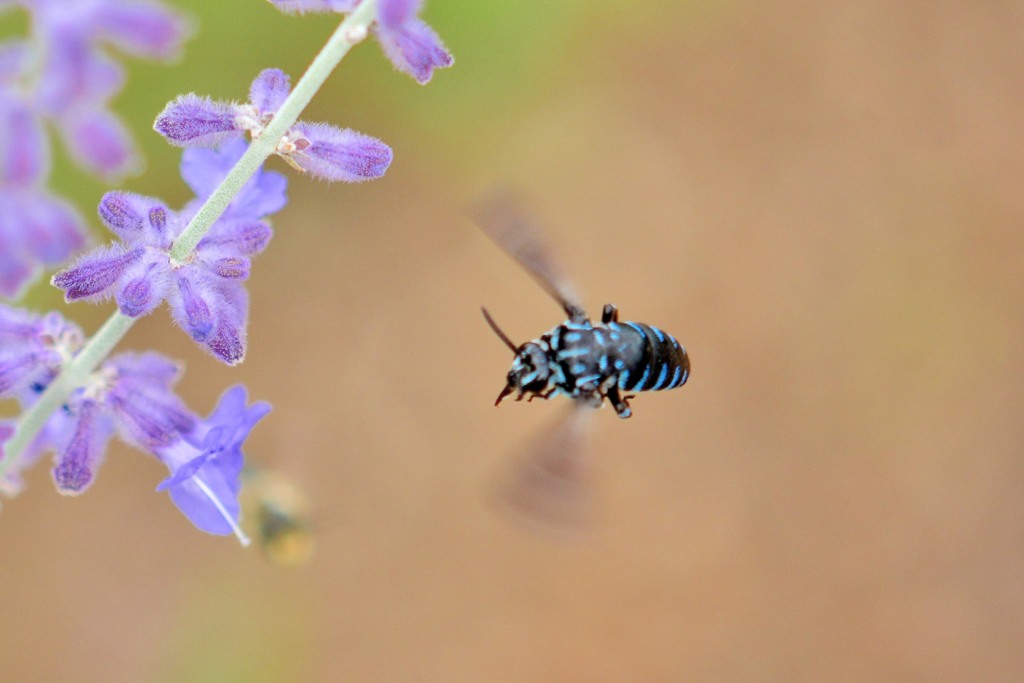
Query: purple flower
[[132, 396], [411, 45], [324, 151], [207, 462], [205, 291]]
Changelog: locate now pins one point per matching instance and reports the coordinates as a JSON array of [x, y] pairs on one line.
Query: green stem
[[350, 32]]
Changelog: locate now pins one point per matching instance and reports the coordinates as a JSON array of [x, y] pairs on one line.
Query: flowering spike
[[331, 153], [194, 120]]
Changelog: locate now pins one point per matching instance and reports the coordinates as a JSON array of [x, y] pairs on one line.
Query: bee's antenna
[[497, 330]]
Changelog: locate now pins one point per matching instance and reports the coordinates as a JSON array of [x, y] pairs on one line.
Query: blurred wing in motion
[[502, 217], [550, 489]]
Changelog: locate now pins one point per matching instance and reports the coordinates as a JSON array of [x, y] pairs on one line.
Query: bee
[[276, 512], [588, 362]]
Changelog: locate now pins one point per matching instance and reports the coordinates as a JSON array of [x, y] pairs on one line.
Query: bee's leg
[[619, 402], [544, 395], [610, 314]]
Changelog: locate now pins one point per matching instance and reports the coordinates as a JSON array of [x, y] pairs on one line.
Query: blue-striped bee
[[580, 359], [588, 362]]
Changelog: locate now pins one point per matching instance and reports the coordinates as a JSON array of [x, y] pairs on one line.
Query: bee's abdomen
[[659, 362]]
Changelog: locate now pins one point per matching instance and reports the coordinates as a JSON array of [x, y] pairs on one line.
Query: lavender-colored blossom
[[131, 395], [324, 151], [205, 291], [411, 45], [207, 462]]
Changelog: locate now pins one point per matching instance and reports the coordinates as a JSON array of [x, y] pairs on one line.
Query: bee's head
[[531, 370]]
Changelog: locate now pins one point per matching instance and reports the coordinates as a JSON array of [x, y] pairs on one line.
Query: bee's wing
[[502, 217], [550, 488]]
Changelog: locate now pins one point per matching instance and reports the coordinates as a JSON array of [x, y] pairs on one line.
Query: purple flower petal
[[93, 276], [146, 29], [340, 154], [269, 90], [98, 141], [206, 466], [393, 13], [76, 463], [191, 120], [414, 48]]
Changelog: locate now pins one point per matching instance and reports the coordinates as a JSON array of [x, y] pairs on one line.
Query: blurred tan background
[[822, 200]]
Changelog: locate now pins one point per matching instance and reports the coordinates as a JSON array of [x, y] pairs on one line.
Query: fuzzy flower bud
[[326, 152]]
